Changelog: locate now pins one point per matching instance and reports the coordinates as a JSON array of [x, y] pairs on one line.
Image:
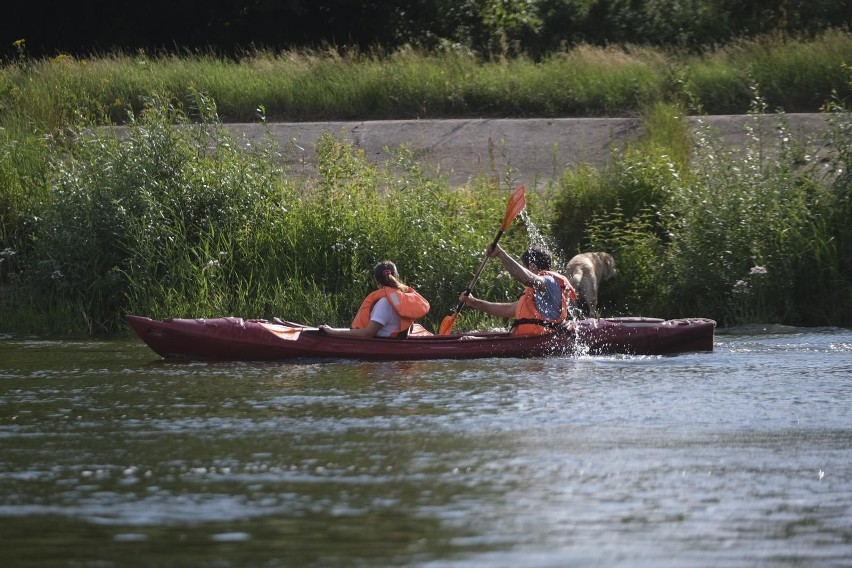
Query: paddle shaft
[[479, 270], [516, 203]]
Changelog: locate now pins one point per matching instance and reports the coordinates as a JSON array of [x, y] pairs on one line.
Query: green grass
[[797, 75], [752, 235], [176, 218]]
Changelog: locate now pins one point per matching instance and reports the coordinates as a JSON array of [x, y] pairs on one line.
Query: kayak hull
[[234, 338]]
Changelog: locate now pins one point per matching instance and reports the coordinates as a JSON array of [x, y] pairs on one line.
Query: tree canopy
[[487, 27]]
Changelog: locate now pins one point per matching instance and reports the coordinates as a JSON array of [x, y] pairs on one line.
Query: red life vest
[[409, 305], [529, 321]]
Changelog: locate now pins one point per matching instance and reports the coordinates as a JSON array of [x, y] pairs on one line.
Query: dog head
[[606, 263]]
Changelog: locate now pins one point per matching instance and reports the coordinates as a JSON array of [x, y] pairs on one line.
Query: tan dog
[[586, 271]]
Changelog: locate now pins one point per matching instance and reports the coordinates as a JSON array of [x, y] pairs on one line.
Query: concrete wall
[[528, 151]]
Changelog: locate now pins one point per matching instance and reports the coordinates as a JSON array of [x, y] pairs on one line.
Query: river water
[[110, 456]]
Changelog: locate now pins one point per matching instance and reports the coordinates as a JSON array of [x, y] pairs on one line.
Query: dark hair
[[540, 257], [386, 274]]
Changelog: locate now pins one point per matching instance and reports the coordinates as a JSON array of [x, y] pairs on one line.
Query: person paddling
[[545, 303], [389, 311]]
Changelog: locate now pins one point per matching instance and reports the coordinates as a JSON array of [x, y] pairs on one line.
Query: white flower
[[758, 270], [741, 287], [7, 253], [57, 274], [211, 264]]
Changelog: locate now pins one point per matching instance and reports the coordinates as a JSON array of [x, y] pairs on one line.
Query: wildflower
[[757, 270], [741, 287], [6, 253], [211, 264], [56, 275], [338, 247]]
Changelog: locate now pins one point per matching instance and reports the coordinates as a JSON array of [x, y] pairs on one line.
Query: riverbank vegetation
[[178, 217], [796, 75]]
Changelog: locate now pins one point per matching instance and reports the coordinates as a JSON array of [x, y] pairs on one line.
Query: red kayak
[[233, 338]]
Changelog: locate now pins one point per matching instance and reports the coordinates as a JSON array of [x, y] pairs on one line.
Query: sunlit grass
[[797, 75]]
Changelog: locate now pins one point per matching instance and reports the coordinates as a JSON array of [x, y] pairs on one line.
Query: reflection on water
[[739, 457]]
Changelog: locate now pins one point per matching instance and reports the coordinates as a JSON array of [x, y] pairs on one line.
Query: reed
[[793, 75], [797, 75]]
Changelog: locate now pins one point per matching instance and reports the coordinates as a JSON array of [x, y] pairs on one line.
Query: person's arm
[[499, 309], [516, 270], [370, 331]]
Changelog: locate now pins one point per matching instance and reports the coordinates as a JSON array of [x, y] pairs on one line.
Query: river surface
[[110, 456]]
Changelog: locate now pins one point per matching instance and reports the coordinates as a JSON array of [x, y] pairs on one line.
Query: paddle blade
[[447, 324], [517, 202], [288, 333]]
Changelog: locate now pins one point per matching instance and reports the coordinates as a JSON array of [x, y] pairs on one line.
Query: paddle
[[517, 201]]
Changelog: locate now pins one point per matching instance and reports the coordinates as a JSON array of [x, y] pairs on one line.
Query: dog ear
[[609, 262]]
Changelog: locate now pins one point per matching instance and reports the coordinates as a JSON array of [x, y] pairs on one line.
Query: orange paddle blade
[[517, 202], [288, 333], [447, 324]]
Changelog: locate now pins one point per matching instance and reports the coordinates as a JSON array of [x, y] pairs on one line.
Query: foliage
[[742, 235], [172, 214], [492, 29], [349, 84], [169, 217]]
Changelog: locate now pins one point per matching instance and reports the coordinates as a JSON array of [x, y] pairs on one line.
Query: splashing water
[[537, 239], [558, 260]]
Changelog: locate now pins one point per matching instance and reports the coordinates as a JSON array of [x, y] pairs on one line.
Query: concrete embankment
[[529, 151]]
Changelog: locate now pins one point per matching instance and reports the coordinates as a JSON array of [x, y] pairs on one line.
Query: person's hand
[[494, 250], [465, 298], [323, 328]]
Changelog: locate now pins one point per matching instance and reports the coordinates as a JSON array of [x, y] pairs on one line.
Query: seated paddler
[[390, 311], [546, 301]]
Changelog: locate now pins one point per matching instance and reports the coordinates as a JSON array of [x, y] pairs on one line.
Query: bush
[[172, 218], [752, 235]]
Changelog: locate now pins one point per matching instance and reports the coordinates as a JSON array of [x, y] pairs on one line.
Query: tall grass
[[793, 75], [178, 217], [329, 85], [742, 235]]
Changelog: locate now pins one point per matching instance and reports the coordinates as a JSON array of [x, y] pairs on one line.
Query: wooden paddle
[[517, 201]]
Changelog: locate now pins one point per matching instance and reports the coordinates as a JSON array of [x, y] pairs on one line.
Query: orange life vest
[[529, 321], [409, 305]]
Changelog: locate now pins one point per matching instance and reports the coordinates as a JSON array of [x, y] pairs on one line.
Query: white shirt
[[384, 314]]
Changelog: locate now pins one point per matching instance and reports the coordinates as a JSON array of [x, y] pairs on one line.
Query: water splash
[[558, 263], [537, 239]]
